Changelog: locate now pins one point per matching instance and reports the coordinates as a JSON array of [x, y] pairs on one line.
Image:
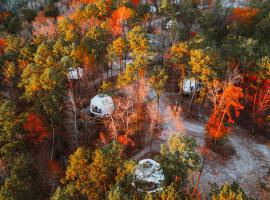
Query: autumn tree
[[225, 97], [91, 175], [178, 158], [258, 92], [158, 80], [227, 191], [119, 19], [20, 183], [243, 15], [118, 49], [34, 125], [13, 65], [43, 83], [128, 119], [179, 56], [214, 27], [139, 46], [11, 133]]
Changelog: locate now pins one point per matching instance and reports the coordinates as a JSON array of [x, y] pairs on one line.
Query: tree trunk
[[191, 101], [115, 132], [52, 152], [200, 174], [75, 118]]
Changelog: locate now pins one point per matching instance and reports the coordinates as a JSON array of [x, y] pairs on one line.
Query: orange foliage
[[243, 15], [125, 140], [135, 2], [215, 127], [35, 127], [225, 102], [118, 17], [103, 138], [45, 26]]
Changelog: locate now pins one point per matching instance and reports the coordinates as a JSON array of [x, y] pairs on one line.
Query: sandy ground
[[249, 165]]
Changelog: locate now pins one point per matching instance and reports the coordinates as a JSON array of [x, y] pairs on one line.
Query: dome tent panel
[[149, 175], [101, 105], [189, 85]]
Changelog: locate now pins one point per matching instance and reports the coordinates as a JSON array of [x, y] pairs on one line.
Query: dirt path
[[249, 165]]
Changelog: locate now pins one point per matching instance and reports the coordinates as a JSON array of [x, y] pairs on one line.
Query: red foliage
[[193, 34], [243, 15], [135, 2], [215, 127], [2, 46], [258, 97], [36, 129], [125, 140], [226, 101]]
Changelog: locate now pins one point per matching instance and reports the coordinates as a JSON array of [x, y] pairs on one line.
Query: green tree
[[118, 49], [227, 192], [213, 24], [158, 80], [139, 46], [19, 184], [178, 158], [94, 174], [10, 132]]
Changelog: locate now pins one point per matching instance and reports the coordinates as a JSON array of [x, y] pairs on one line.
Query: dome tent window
[[189, 85], [101, 105], [149, 176], [75, 73]]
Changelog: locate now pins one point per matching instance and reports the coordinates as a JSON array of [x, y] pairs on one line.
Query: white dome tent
[[190, 84], [101, 105], [75, 73], [153, 9], [149, 174]]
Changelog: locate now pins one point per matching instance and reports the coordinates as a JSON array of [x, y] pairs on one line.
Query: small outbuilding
[[101, 105], [75, 73], [149, 176], [189, 85]]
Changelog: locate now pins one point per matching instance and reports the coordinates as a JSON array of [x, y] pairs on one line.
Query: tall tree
[[225, 97]]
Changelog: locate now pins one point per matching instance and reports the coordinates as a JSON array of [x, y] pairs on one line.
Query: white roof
[[149, 170], [104, 103], [75, 73]]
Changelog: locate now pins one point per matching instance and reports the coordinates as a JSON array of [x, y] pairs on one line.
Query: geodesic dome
[[101, 105], [149, 175]]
